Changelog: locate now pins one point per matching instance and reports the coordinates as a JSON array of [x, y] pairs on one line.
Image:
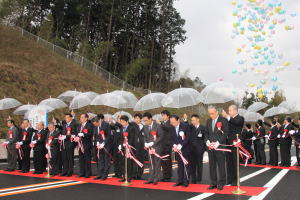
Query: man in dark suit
[[129, 130], [53, 149], [39, 150], [259, 142], [198, 149], [84, 139], [103, 138], [167, 144], [235, 126], [12, 139], [296, 135], [24, 142], [273, 143], [69, 132], [181, 143], [153, 143], [285, 141], [246, 138], [139, 145], [116, 133], [216, 134]]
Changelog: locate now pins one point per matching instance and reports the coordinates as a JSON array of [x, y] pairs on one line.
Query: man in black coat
[[216, 134], [39, 148], [296, 135], [84, 139], [235, 126], [116, 134], [259, 142], [273, 143], [103, 138], [285, 141], [246, 138], [127, 135], [69, 132], [181, 143], [52, 146], [10, 144], [198, 149]]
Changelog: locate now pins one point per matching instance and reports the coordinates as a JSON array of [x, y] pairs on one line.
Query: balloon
[[274, 78], [288, 28], [286, 63], [252, 85], [234, 71], [275, 88]]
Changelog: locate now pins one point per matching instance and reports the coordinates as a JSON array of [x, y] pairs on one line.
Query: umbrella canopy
[[39, 108], [8, 103], [150, 101], [275, 111], [23, 109], [242, 111], [91, 95], [157, 117], [292, 107], [107, 117], [219, 92], [80, 101], [180, 98], [109, 99], [257, 106], [131, 100], [68, 95], [252, 116], [54, 103], [116, 115]]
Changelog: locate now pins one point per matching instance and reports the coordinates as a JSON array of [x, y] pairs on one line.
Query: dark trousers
[[183, 171], [273, 153], [39, 160], [297, 146], [261, 155], [140, 155], [167, 164], [231, 169], [285, 152], [26, 159], [103, 164], [247, 145], [68, 159], [54, 160], [155, 168], [12, 157], [117, 161], [129, 167], [217, 159], [196, 166], [85, 162]]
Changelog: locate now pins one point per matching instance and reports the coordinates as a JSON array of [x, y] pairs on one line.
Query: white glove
[[64, 137], [80, 134], [207, 143], [253, 138], [150, 144], [102, 145], [98, 143], [120, 147], [73, 136], [179, 147], [174, 146], [33, 142], [20, 143], [292, 132], [147, 145], [278, 136], [217, 144], [7, 142]]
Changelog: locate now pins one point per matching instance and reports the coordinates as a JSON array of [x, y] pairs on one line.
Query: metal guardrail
[[75, 57]]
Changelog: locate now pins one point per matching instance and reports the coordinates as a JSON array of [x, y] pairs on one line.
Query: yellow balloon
[[277, 9], [260, 95], [238, 50], [233, 3], [286, 63], [252, 85], [259, 90]]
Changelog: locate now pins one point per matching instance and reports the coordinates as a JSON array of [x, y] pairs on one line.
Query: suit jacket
[[184, 142], [54, 144], [216, 134], [140, 135], [131, 135], [158, 142], [167, 131], [235, 126], [107, 135], [69, 130], [40, 138], [15, 137], [26, 139], [286, 129], [87, 131], [198, 137], [273, 133]]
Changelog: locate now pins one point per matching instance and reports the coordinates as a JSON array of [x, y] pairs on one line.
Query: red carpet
[[275, 167], [197, 188]]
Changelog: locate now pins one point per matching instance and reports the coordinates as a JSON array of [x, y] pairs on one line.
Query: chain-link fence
[[104, 74]]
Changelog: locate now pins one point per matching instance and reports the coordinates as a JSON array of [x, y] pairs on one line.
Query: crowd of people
[[110, 142]]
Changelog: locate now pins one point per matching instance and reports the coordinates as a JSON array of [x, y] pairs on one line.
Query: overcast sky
[[210, 53]]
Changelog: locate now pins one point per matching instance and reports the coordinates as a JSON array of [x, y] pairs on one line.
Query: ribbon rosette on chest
[[85, 131], [101, 133], [50, 139], [125, 134], [10, 133], [24, 135], [39, 136], [182, 135], [154, 134], [285, 132], [69, 131], [219, 127]]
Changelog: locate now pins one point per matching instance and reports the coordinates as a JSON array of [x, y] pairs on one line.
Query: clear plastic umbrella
[[107, 117], [150, 101], [116, 115], [219, 92], [252, 116], [242, 111], [8, 103], [91, 95], [80, 101], [131, 100], [275, 111], [23, 109], [39, 108], [180, 98], [68, 96], [54, 103], [110, 99], [292, 107], [257, 106], [157, 117]]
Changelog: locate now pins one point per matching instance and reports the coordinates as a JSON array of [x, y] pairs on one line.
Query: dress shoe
[[148, 182], [155, 183], [68, 175], [177, 184], [97, 177], [122, 180], [220, 187], [165, 180], [103, 179], [185, 185], [64, 174], [212, 187], [87, 176], [79, 176]]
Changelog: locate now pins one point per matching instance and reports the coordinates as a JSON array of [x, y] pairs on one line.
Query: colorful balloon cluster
[[257, 21]]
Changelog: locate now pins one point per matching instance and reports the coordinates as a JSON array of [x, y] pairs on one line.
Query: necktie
[[82, 126], [213, 125]]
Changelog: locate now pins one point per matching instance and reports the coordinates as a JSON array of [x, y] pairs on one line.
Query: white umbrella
[[157, 117], [180, 98], [291, 106], [91, 115], [54, 103], [23, 109], [109, 99], [116, 115], [242, 111], [80, 101], [252, 116], [257, 106], [68, 95], [91, 95], [150, 101], [107, 117], [131, 100], [275, 111], [8, 103], [39, 108], [219, 92]]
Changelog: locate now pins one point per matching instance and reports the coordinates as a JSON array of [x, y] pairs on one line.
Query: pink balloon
[[270, 45]]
